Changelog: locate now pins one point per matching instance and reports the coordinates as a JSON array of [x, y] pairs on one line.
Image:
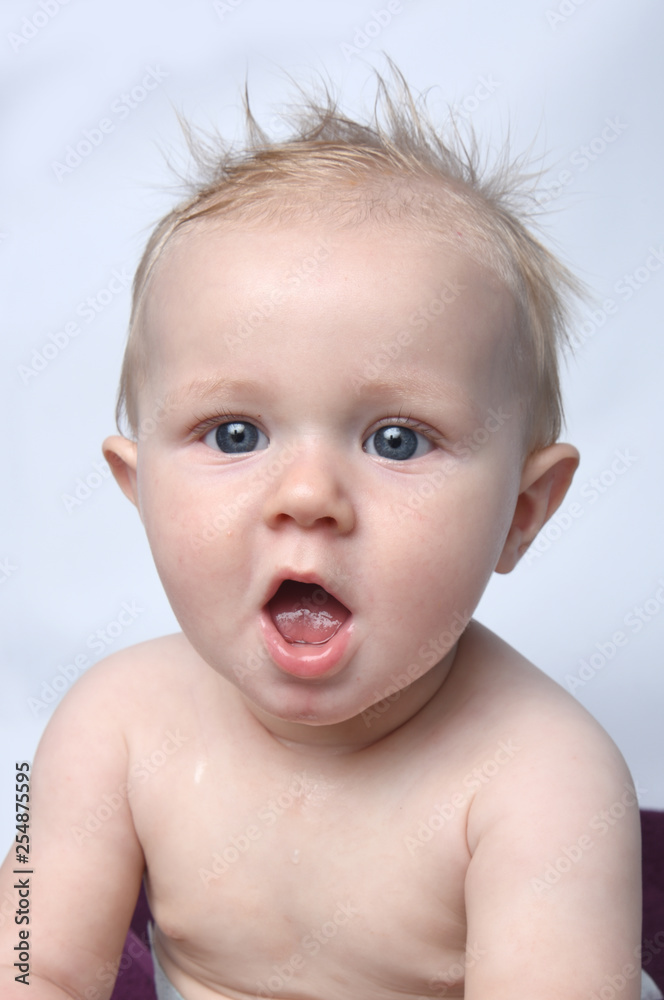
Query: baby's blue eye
[[397, 442], [238, 437]]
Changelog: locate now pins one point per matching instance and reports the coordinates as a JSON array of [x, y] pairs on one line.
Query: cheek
[[446, 556], [195, 536], [453, 531]]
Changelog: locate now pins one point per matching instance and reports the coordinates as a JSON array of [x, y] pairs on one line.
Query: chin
[[308, 708]]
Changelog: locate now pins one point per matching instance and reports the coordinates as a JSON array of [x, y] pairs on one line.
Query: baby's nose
[[311, 492]]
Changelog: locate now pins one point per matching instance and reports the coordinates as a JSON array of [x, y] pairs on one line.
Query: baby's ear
[[121, 454], [545, 479]]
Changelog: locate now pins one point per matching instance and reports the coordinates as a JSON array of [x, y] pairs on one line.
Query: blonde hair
[[399, 171]]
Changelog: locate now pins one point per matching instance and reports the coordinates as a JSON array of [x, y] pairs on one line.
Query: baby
[[342, 394]]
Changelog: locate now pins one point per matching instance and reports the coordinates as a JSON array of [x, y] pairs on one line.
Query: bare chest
[[349, 877]]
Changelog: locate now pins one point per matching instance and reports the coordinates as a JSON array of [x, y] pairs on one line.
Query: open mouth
[[305, 613]]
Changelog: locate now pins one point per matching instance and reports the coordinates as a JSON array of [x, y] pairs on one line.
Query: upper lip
[[300, 576]]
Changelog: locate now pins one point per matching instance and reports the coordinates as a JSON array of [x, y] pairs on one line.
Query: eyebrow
[[419, 383], [212, 387], [408, 383]]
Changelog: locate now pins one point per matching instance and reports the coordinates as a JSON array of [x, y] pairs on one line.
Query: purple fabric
[[135, 975], [135, 980], [652, 829]]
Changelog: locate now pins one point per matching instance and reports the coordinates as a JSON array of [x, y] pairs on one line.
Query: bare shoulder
[[169, 655], [553, 834], [134, 699], [143, 677], [107, 709], [554, 733], [82, 824]]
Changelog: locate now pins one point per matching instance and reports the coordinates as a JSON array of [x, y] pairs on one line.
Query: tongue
[[306, 613]]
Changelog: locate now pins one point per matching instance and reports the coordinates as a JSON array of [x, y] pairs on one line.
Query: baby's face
[[333, 408]]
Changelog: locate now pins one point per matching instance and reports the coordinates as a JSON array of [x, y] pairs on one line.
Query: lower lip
[[304, 659]]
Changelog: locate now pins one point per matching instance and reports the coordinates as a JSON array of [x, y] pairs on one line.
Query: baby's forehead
[[427, 219], [247, 282], [305, 283], [273, 260], [259, 255]]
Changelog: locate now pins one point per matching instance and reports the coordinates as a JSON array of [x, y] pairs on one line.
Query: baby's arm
[[553, 890], [84, 888]]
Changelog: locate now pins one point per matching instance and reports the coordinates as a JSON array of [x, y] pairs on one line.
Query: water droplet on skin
[[296, 857]]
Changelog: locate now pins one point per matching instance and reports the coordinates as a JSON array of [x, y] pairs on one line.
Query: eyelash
[[226, 416], [205, 424], [414, 425]]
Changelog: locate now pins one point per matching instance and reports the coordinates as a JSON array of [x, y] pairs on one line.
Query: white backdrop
[[582, 80]]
